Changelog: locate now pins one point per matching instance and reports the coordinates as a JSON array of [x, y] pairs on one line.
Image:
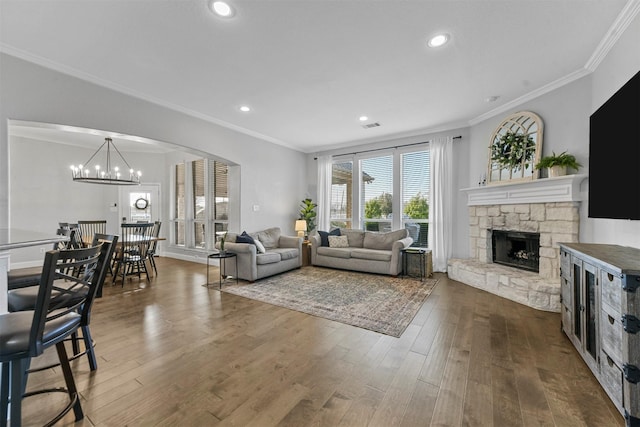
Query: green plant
[[379, 207], [308, 213], [513, 150], [222, 239], [562, 159], [417, 207]]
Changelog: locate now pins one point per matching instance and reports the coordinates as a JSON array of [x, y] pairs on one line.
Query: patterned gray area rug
[[379, 303]]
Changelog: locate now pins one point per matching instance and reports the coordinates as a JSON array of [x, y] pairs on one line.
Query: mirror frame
[[525, 123]]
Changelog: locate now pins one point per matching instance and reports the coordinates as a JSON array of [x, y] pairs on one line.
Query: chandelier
[[111, 175]]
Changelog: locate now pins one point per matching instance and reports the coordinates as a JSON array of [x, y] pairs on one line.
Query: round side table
[[222, 256]]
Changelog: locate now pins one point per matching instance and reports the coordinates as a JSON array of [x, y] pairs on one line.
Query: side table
[[222, 257], [306, 253], [423, 256]]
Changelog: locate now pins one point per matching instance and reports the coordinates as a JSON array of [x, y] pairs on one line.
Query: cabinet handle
[[609, 361], [611, 319], [610, 277]]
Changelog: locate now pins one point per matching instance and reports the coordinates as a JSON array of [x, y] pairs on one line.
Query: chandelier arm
[[121, 156], [94, 154]]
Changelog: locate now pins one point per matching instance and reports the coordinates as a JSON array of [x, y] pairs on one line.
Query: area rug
[[379, 303]]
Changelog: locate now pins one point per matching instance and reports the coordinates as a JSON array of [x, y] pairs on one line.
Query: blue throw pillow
[[245, 238], [324, 236]]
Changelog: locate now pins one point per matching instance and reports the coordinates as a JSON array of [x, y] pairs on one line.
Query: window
[[201, 203], [391, 193], [341, 185], [377, 193], [415, 196]]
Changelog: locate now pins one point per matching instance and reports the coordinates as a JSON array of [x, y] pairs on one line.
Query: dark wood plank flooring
[[175, 353]]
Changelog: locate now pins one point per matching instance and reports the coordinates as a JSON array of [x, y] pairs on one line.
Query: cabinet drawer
[[567, 318], [611, 378], [565, 264], [611, 290], [611, 331]]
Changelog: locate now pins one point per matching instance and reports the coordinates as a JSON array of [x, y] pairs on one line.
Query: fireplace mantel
[[558, 189]]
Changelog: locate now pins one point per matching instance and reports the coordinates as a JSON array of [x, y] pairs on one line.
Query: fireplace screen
[[516, 249]]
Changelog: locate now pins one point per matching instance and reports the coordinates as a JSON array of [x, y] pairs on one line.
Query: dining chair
[[30, 276], [132, 254], [25, 299], [55, 316], [89, 228], [153, 246]]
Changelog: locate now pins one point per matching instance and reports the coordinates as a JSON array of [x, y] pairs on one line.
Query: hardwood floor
[[175, 353]]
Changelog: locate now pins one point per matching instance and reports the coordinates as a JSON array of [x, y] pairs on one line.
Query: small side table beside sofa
[[417, 259]]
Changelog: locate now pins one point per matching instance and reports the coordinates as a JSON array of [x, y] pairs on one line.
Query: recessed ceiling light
[[438, 40], [363, 118], [221, 8], [244, 108]]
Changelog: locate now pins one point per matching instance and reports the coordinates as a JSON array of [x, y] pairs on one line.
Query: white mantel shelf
[[558, 189]]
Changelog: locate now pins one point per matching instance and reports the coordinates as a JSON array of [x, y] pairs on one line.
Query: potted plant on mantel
[[557, 164]]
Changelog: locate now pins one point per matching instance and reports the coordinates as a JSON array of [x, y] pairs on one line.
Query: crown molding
[[550, 87], [55, 66], [626, 16]]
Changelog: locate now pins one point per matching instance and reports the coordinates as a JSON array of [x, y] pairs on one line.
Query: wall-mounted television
[[614, 155]]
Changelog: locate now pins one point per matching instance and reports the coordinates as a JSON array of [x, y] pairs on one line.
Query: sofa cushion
[[268, 258], [324, 236], [338, 242], [335, 252], [269, 237], [384, 241], [286, 253], [259, 246], [355, 237], [245, 238], [371, 254]]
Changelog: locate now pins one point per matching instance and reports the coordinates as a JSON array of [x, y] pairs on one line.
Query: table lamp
[[301, 227]]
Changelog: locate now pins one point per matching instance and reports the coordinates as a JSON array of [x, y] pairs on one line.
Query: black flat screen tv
[[614, 155]]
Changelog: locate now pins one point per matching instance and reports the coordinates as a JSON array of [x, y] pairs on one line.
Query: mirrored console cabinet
[[600, 288]]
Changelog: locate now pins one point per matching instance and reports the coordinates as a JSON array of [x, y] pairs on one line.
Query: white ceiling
[[311, 68]]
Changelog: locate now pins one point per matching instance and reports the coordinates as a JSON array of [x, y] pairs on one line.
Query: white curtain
[[441, 203], [324, 192]]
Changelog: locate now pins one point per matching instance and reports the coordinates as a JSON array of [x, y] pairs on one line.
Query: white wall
[[620, 64], [272, 177]]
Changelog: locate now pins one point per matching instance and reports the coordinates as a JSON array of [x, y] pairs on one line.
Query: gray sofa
[[282, 253], [367, 251]]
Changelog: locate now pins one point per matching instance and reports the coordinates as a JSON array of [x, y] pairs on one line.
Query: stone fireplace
[[545, 210]]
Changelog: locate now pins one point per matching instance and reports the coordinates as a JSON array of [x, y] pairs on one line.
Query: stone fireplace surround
[[547, 206]]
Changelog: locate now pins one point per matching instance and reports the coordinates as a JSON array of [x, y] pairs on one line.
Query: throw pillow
[[324, 236], [245, 238], [338, 242], [259, 246]]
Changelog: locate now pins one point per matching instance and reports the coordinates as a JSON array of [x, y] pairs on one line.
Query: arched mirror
[[514, 148]]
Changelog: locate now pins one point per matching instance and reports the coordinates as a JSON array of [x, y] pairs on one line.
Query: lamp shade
[[301, 225]]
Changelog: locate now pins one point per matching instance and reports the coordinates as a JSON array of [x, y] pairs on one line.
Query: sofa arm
[[315, 244], [247, 263], [396, 257], [292, 242]]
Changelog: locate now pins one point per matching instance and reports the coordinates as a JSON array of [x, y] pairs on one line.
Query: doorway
[[140, 203]]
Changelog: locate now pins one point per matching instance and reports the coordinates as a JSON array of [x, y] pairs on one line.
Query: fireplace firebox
[[516, 249]]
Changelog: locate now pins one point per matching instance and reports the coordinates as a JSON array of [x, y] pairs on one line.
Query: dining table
[[13, 238]]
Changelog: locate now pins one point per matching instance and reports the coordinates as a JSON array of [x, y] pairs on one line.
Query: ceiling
[[310, 68]]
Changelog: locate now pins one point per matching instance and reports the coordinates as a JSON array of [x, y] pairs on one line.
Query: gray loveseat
[[367, 251], [282, 253]]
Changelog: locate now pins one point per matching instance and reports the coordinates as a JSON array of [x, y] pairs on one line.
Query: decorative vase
[[557, 171]]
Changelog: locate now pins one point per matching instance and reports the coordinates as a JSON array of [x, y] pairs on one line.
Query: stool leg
[[17, 384], [88, 345], [4, 394], [68, 379]]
